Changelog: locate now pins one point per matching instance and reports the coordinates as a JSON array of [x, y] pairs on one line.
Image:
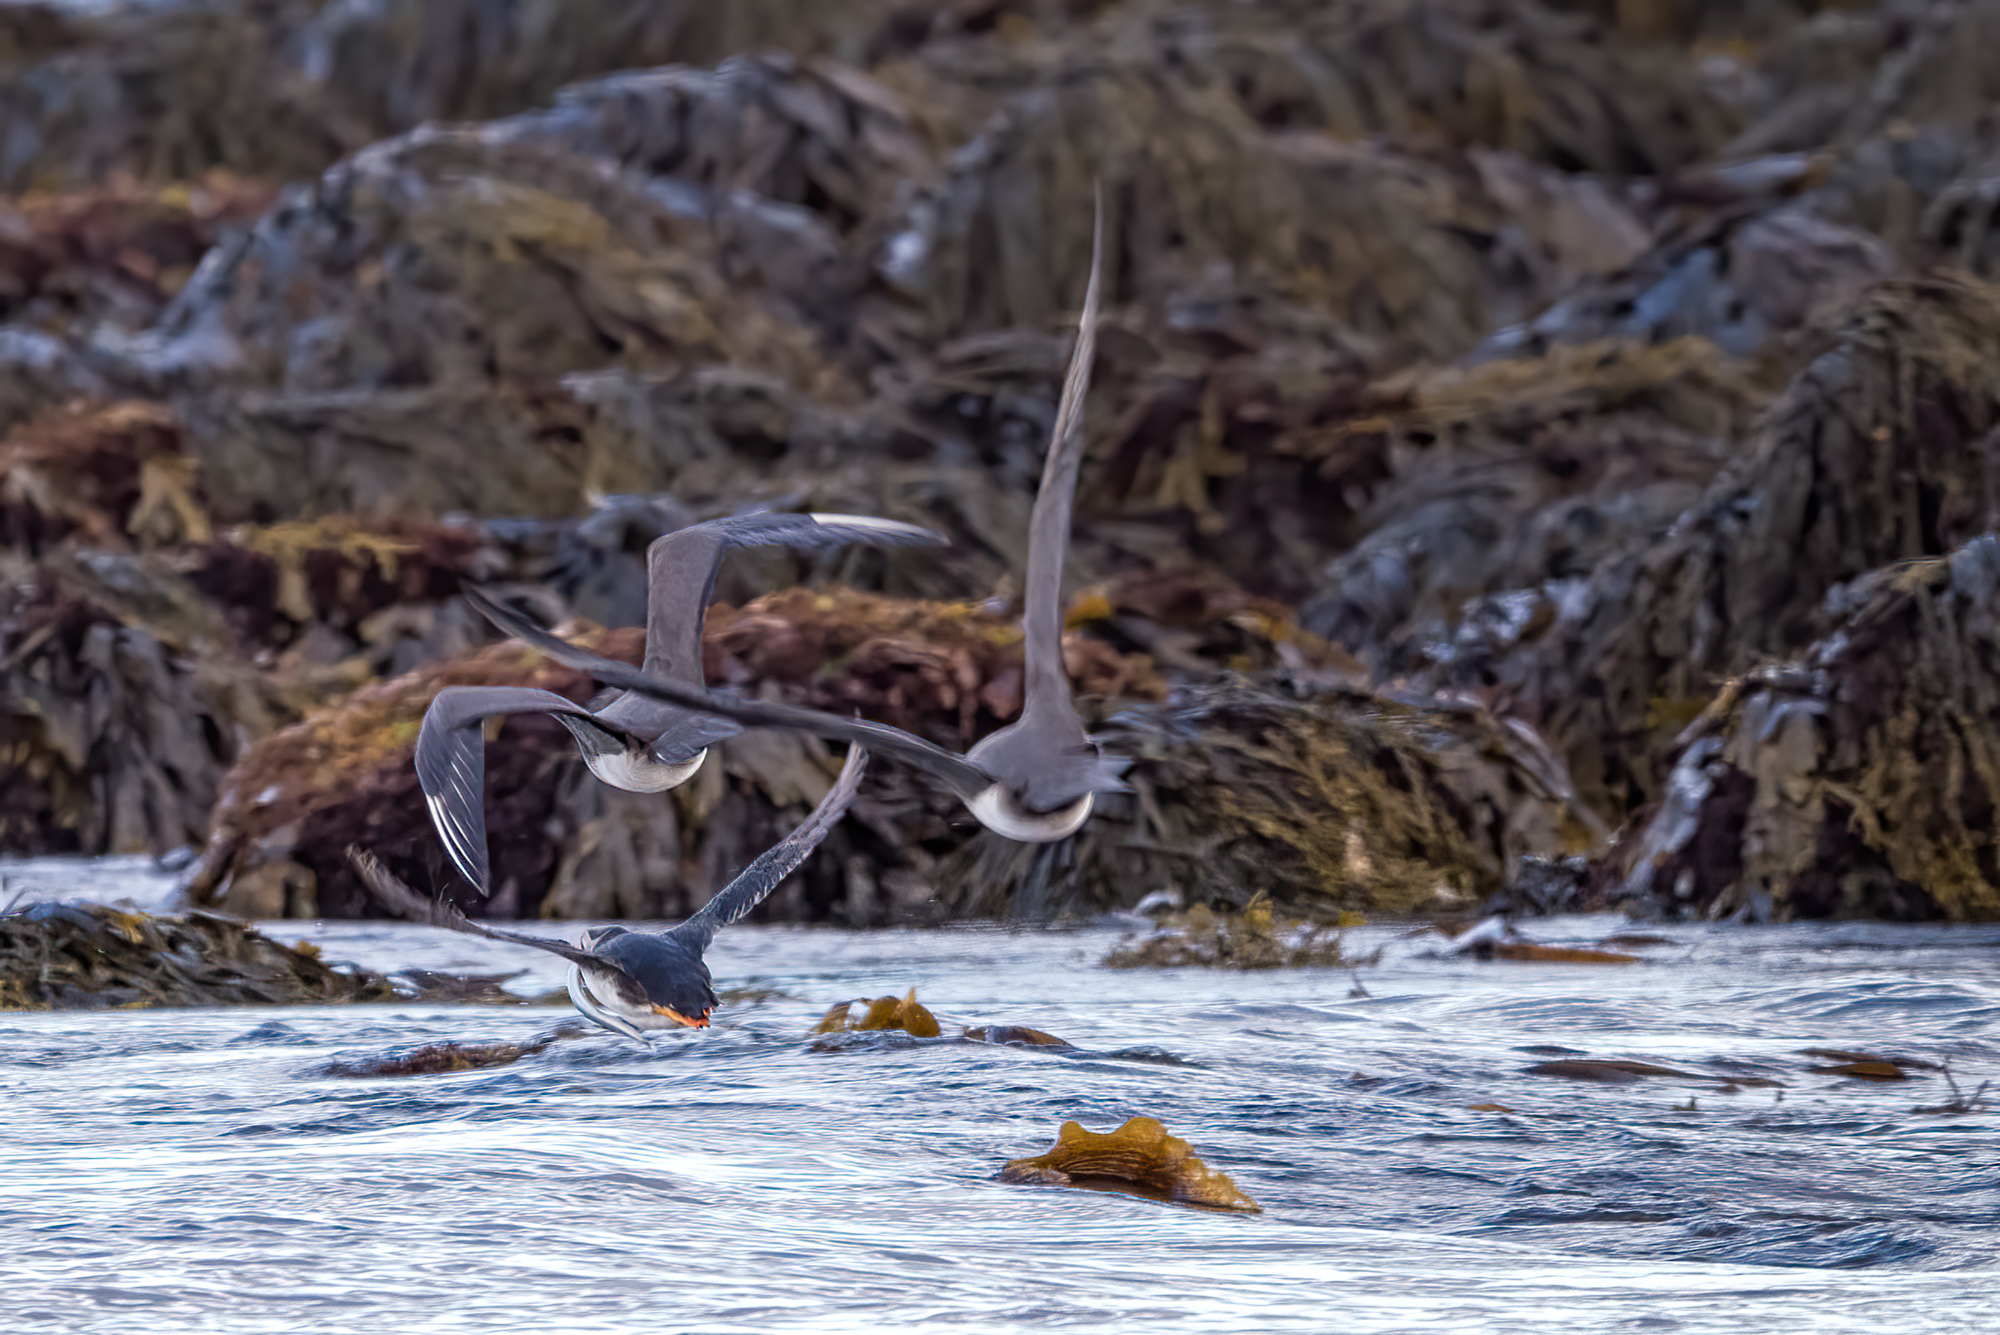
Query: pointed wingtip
[[882, 530]]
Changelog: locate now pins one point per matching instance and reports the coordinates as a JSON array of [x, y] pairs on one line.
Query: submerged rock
[[1139, 1157]]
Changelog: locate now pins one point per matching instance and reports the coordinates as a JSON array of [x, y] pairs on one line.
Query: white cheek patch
[[1001, 814]]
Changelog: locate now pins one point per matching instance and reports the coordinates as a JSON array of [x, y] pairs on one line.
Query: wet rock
[[1139, 1157], [294, 795], [950, 672], [120, 706]]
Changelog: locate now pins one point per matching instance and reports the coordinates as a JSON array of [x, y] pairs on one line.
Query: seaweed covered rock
[[115, 253], [112, 477], [281, 89], [1323, 801], [344, 775], [65, 957], [1140, 1157], [120, 707], [1878, 452], [1191, 184], [1510, 474], [1253, 939], [1857, 779], [568, 846]]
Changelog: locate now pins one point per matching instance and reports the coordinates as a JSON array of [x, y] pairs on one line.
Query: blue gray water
[[191, 1171]]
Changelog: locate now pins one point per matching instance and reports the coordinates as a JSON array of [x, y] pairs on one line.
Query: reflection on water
[[189, 1171]]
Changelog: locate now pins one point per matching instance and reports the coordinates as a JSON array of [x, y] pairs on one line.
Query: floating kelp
[[1140, 1157], [1496, 938], [1252, 939], [1611, 1072], [444, 1058], [1961, 1103], [1016, 1034], [1872, 1059], [902, 1013], [1614, 1071], [71, 956]]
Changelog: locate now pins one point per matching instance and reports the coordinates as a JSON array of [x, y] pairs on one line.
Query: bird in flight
[[634, 741], [1035, 779], [637, 983]]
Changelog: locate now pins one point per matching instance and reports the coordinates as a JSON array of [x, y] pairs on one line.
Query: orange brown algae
[[1139, 1156], [904, 1013]]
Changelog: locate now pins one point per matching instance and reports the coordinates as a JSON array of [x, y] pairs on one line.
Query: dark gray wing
[[680, 572], [680, 584], [1048, 528], [761, 877], [390, 889], [954, 771], [451, 760]]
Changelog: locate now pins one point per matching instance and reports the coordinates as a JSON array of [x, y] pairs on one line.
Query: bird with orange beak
[[638, 983]]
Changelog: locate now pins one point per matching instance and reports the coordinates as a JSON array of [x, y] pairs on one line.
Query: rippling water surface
[[193, 1171]]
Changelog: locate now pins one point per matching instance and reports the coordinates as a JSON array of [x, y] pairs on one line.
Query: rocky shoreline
[[1540, 453]]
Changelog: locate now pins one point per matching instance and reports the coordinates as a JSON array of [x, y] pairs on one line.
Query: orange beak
[[698, 1022]]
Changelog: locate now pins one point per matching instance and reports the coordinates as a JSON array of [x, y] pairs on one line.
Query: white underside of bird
[[997, 810], [636, 774], [605, 1008]]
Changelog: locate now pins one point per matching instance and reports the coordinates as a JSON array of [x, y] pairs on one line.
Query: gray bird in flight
[[1035, 779], [634, 983], [634, 741]]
